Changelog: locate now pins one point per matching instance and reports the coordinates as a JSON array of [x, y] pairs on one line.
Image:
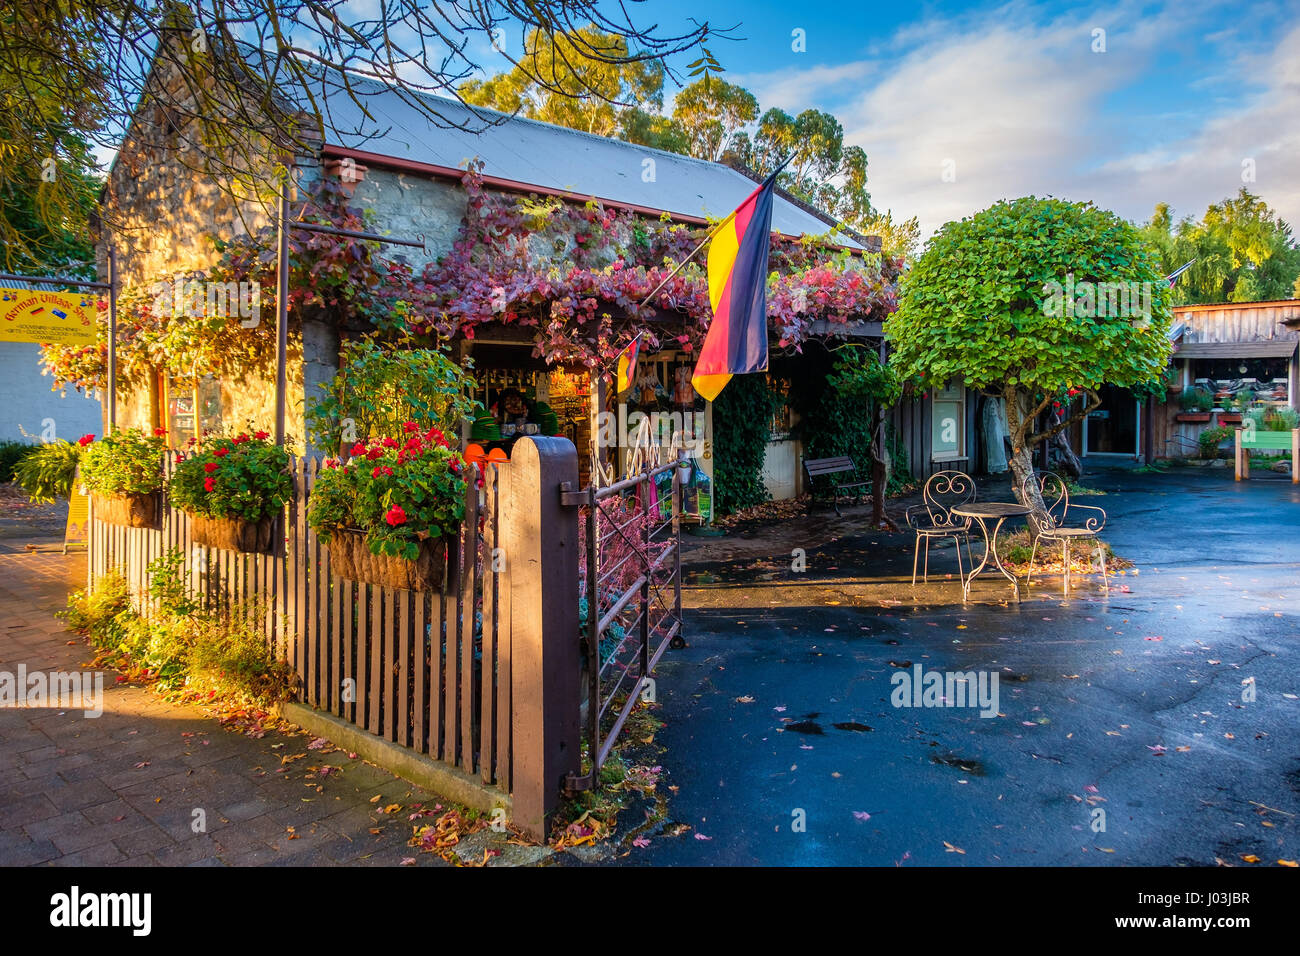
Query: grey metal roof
[[543, 155]]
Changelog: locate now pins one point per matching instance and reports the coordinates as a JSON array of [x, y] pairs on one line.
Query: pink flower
[[395, 516]]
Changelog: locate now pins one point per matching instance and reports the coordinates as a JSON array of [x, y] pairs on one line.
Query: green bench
[[1248, 439]]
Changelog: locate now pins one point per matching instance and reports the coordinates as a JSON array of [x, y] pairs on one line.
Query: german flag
[[627, 364], [737, 339]]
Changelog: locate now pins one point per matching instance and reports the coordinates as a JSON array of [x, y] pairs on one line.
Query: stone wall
[[163, 213]]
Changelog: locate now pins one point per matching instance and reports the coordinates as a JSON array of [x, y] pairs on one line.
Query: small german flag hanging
[[627, 364], [736, 342]]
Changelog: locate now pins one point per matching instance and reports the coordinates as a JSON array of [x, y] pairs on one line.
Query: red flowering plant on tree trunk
[[397, 490]]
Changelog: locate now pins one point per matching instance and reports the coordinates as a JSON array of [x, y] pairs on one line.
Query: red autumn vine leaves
[[574, 275]]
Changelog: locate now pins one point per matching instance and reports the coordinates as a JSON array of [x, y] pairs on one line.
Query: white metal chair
[[933, 518], [1064, 523]]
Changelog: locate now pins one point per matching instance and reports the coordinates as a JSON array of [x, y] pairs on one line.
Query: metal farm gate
[[630, 604]]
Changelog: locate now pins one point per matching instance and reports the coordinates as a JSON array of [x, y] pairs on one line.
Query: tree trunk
[[1024, 481], [1066, 456]]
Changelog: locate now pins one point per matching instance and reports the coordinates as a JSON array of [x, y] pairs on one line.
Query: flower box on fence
[[351, 558], [1193, 417], [233, 534], [390, 511], [233, 488], [123, 473], [129, 511]]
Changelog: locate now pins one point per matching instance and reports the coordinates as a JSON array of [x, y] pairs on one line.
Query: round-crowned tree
[[1035, 301]]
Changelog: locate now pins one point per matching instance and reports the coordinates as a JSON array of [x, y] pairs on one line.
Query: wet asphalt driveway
[[785, 748]]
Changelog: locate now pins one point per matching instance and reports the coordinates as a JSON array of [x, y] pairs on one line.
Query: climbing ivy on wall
[[742, 420]]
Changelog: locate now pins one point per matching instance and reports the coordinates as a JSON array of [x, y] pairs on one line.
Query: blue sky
[[1015, 96]]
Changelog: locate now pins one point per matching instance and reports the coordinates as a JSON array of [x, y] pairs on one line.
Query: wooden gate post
[[541, 551]]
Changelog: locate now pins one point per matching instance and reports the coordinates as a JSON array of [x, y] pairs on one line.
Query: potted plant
[[389, 513], [233, 489], [1231, 415], [50, 471], [1195, 403], [123, 473], [1173, 380]]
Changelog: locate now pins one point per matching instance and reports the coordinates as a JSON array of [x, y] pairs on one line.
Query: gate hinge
[[575, 499], [573, 783]]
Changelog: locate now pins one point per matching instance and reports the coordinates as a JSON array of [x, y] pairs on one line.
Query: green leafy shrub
[[1277, 419], [742, 418], [125, 462], [1211, 438], [233, 477], [11, 453], [49, 471], [397, 491], [841, 419], [382, 387], [181, 645], [102, 613]]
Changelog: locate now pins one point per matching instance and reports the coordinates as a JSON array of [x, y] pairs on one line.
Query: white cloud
[[1022, 105]]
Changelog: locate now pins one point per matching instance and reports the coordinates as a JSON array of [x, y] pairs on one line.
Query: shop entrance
[[1113, 429]]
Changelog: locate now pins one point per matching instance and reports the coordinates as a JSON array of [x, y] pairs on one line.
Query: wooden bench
[[1271, 441], [825, 467]]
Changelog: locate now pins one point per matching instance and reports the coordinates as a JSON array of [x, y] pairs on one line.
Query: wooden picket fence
[[427, 670]]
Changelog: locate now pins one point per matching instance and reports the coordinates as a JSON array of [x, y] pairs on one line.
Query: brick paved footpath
[[121, 789]]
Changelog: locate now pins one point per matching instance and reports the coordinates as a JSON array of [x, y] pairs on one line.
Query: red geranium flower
[[85, 440], [210, 467], [375, 453], [261, 436], [240, 438], [160, 431], [222, 452], [410, 427], [390, 442], [209, 484], [359, 448], [395, 516]]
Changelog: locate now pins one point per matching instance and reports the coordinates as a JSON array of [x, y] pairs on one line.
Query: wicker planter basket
[[351, 558], [129, 511], [233, 534]]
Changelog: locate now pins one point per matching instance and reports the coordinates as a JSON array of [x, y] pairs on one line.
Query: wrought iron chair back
[[945, 490], [1061, 513], [1056, 500]]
